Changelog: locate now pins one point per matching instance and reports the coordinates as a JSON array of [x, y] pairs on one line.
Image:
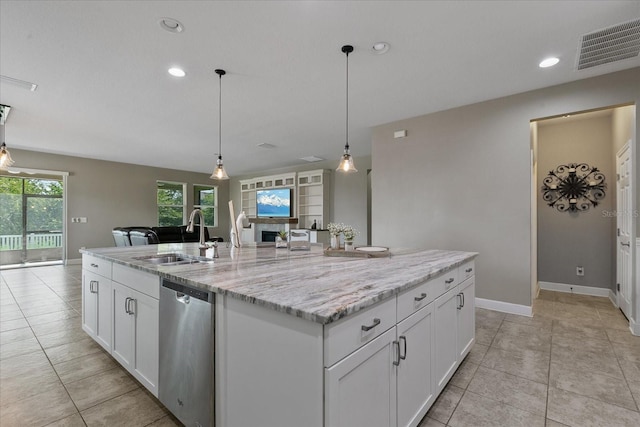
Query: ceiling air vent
[[609, 45]]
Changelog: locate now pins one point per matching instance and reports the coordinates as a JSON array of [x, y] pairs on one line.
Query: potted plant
[[281, 239], [349, 234]]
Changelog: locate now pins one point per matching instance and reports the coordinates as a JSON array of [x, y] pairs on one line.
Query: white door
[[360, 390], [416, 385], [624, 218]]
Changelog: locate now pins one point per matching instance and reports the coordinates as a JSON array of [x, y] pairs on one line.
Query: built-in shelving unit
[[313, 198], [248, 189]]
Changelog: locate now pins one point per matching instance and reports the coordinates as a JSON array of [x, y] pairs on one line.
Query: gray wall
[[114, 194], [462, 178], [348, 192], [567, 240]]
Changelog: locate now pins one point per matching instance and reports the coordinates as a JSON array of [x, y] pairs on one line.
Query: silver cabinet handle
[[404, 345], [397, 359], [126, 305], [625, 244], [94, 265], [468, 270], [376, 322], [462, 293], [460, 301], [132, 306], [421, 297], [449, 281], [91, 286]]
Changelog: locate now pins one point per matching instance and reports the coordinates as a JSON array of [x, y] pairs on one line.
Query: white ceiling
[[104, 92]]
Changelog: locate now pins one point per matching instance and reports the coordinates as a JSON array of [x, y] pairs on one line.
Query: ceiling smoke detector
[[266, 146], [380, 47], [171, 25], [610, 44]]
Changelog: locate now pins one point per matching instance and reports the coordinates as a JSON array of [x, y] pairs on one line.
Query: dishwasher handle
[[183, 298]]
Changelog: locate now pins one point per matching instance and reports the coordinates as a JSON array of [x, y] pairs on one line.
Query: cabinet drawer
[[414, 299], [347, 335], [140, 281], [444, 282], [96, 265], [466, 270]]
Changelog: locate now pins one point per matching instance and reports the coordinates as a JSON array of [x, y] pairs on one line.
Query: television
[[275, 203]]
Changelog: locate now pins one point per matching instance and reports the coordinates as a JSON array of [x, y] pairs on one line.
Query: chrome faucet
[[203, 246]]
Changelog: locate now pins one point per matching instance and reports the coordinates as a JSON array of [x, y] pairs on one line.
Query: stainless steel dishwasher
[[186, 381]]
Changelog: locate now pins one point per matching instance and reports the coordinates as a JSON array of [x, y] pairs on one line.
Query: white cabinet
[[313, 198], [248, 189], [466, 317], [136, 335], [360, 390], [446, 337], [96, 302], [415, 382]]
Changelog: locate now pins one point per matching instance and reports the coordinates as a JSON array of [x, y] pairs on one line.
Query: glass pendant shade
[[346, 163], [219, 172], [5, 157]]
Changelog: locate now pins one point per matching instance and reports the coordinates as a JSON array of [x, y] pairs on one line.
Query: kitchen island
[[302, 339]]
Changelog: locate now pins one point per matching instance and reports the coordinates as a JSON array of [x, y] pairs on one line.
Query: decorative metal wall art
[[574, 187]]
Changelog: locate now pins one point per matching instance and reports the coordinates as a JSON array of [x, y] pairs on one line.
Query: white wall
[[462, 178]]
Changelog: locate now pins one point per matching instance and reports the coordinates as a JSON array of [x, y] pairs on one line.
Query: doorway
[[31, 219], [580, 251]]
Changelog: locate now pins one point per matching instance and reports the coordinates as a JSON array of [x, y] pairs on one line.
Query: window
[[171, 203], [205, 198]]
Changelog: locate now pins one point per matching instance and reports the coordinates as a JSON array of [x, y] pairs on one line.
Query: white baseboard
[[73, 261], [634, 327], [504, 307], [576, 289], [613, 298]]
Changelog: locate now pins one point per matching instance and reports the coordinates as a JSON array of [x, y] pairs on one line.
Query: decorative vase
[[348, 245], [335, 242]]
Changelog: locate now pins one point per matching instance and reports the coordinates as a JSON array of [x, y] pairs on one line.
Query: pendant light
[[219, 172], [346, 163], [5, 157]]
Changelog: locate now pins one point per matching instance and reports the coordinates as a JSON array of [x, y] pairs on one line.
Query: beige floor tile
[[477, 353], [463, 375], [13, 324], [29, 383], [135, 408], [576, 358], [478, 411], [10, 315], [631, 370], [39, 409], [170, 421], [52, 317], [635, 391], [591, 384], [630, 352], [551, 423], [532, 365], [515, 391], [485, 336], [581, 411], [74, 420], [623, 337], [22, 365], [511, 342], [602, 347], [16, 348], [98, 388], [45, 309], [64, 336], [426, 422], [520, 329], [483, 313], [614, 322], [539, 322], [41, 329], [15, 335], [65, 352], [84, 366], [578, 330], [488, 323], [446, 403]]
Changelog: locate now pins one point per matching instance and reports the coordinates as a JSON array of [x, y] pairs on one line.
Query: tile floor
[[574, 363]]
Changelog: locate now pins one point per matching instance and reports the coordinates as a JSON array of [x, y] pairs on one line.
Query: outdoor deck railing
[[34, 241]]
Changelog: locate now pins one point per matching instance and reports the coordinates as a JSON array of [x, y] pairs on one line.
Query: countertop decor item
[[574, 187], [359, 252], [281, 239]]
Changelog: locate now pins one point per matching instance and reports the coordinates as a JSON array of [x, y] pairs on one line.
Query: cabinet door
[[360, 390], [123, 318], [466, 317], [89, 303], [446, 331], [415, 380], [146, 344], [104, 322]]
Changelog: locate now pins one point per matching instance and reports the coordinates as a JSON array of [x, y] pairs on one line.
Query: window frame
[[184, 200], [215, 202]]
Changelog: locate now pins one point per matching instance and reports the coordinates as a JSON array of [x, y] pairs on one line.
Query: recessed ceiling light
[[171, 25], [549, 62], [380, 48], [177, 72]]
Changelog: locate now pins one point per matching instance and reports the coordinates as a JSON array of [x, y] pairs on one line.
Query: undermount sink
[[172, 259]]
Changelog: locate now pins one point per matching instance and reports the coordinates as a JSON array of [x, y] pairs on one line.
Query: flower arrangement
[[349, 232], [335, 229]]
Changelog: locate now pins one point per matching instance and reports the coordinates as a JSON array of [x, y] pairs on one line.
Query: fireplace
[[269, 236]]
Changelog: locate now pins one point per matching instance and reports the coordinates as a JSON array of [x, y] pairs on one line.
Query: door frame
[[633, 292]]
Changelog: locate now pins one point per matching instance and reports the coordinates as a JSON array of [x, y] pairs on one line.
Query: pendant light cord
[[347, 106], [220, 119]]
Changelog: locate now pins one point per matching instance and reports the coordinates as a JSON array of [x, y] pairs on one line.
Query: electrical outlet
[[579, 271]]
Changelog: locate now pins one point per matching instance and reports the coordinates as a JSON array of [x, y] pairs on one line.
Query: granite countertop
[[305, 284]]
